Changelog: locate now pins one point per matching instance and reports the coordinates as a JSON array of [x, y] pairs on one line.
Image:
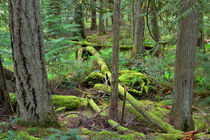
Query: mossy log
[[79, 53], [112, 123], [93, 78], [139, 106], [145, 108], [69, 102]]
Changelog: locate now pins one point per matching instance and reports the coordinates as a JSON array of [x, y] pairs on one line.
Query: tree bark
[[32, 94], [138, 48], [154, 22], [93, 19], [115, 61], [5, 106], [79, 19], [201, 43], [181, 113], [101, 20]]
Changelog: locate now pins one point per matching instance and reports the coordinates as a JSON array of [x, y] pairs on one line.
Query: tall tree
[[201, 32], [154, 22], [181, 113], [5, 107], [79, 19], [115, 61], [138, 48], [101, 20], [93, 18], [32, 94]]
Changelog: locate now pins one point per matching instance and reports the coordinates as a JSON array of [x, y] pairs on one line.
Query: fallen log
[[139, 106], [69, 102], [112, 123]]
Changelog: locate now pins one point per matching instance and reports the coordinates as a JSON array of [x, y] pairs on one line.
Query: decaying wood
[[139, 106]]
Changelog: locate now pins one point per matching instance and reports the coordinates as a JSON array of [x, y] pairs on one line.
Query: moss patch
[[93, 78]]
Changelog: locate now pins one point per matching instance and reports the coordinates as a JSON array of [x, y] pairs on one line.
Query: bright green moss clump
[[70, 102], [93, 78], [138, 82]]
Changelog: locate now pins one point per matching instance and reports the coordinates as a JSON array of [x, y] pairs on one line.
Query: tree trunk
[[32, 94], [201, 32], [154, 22], [133, 18], [79, 19], [101, 20], [138, 48], [93, 19], [5, 107], [115, 61], [181, 113]]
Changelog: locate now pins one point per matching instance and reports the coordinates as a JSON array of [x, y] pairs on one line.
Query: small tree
[[115, 61]]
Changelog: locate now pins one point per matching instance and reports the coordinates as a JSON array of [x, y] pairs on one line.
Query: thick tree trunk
[[154, 22], [181, 113], [138, 48], [101, 20], [79, 20], [93, 19], [5, 107], [32, 94], [115, 61]]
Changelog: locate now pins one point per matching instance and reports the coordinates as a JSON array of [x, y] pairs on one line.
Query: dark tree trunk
[[138, 48], [93, 19], [5, 106], [32, 93], [111, 3], [201, 32], [133, 18], [101, 20], [154, 22], [115, 61], [79, 19], [181, 113]]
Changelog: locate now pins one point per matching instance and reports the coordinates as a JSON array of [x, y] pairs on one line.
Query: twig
[[199, 110]]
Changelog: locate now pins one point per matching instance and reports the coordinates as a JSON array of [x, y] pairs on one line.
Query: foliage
[[72, 134]]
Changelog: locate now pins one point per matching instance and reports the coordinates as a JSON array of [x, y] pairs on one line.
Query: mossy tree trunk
[[115, 61], [138, 48], [181, 113], [5, 107], [32, 93]]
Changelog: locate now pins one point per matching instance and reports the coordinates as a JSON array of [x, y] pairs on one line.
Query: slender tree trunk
[[93, 18], [133, 17], [115, 61], [101, 20], [154, 22], [201, 32], [129, 21], [138, 48], [5, 106], [111, 3], [181, 113], [32, 94], [79, 19]]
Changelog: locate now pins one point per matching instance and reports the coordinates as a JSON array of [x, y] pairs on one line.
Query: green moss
[[138, 82], [25, 136], [38, 131], [102, 87], [12, 98], [169, 136], [60, 109], [93, 78], [70, 102]]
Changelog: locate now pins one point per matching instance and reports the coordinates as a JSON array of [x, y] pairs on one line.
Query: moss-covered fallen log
[[93, 78], [139, 106], [146, 108], [69, 102], [112, 123]]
